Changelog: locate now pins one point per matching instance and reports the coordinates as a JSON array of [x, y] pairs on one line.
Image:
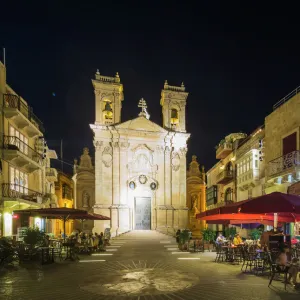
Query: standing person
[[293, 271], [96, 241], [178, 236], [101, 242]]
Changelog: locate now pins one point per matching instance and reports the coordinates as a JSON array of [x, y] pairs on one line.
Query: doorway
[[142, 207]]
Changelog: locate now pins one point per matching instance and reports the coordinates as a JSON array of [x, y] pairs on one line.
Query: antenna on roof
[[4, 58]]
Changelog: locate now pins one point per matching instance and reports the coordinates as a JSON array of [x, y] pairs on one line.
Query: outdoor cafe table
[[230, 252], [47, 255], [70, 251]]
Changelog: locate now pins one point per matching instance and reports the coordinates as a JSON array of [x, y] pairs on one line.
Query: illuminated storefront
[[7, 224]]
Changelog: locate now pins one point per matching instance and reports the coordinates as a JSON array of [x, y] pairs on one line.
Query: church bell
[[108, 110], [174, 116]]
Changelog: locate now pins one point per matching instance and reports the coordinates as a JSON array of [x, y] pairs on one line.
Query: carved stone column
[[98, 171], [116, 173]]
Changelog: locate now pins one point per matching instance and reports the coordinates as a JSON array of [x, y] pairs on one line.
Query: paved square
[[140, 266]]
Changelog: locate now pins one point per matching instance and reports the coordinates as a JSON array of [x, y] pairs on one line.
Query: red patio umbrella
[[63, 213], [271, 203], [241, 217]]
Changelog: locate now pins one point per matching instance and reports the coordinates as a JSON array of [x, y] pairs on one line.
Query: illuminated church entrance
[[142, 213], [140, 166]]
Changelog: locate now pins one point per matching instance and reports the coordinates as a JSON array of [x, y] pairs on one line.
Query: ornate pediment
[[142, 160], [141, 124]]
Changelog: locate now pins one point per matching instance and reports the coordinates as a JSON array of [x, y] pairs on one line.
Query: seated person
[[46, 241], [220, 239], [237, 240]]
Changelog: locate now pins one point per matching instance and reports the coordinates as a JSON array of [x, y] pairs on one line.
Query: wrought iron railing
[[287, 97], [14, 101], [15, 191], [284, 163], [224, 146], [14, 143], [225, 174]]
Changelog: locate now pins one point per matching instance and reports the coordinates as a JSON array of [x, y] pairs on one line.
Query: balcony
[[212, 195], [248, 180], [284, 165], [67, 193], [219, 204], [51, 174], [224, 177], [21, 155], [15, 192], [21, 114], [223, 150]]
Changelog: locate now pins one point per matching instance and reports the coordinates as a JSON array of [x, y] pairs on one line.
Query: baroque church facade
[[140, 167]]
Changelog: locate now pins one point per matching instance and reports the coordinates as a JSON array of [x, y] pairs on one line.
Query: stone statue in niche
[[85, 159], [85, 200], [194, 205]]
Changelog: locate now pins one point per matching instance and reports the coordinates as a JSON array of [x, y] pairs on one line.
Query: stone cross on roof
[[143, 105]]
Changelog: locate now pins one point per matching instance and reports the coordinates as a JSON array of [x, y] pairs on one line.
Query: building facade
[[221, 178], [282, 148], [250, 166], [140, 167], [196, 196], [84, 188], [64, 197], [25, 160]]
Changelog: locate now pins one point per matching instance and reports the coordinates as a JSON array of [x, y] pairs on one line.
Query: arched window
[[228, 194], [174, 116]]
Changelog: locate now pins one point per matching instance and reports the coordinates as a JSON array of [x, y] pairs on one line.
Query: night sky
[[236, 63]]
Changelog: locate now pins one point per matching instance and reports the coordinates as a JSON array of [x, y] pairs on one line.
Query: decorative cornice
[[98, 145]]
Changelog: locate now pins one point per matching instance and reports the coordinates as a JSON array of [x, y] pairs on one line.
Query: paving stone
[[141, 269]]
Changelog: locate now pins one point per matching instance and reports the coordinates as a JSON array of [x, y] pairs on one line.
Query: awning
[[262, 209], [245, 217]]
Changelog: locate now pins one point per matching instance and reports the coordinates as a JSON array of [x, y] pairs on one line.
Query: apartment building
[[221, 178], [26, 176], [282, 144], [64, 187], [221, 187], [250, 166]]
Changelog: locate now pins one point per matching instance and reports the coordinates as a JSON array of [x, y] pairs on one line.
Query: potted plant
[[184, 238], [255, 234], [230, 232], [208, 238], [33, 237]]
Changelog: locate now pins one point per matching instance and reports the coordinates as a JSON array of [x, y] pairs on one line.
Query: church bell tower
[[173, 102], [108, 99]]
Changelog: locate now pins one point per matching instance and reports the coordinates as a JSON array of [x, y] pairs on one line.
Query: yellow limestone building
[[140, 166]]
